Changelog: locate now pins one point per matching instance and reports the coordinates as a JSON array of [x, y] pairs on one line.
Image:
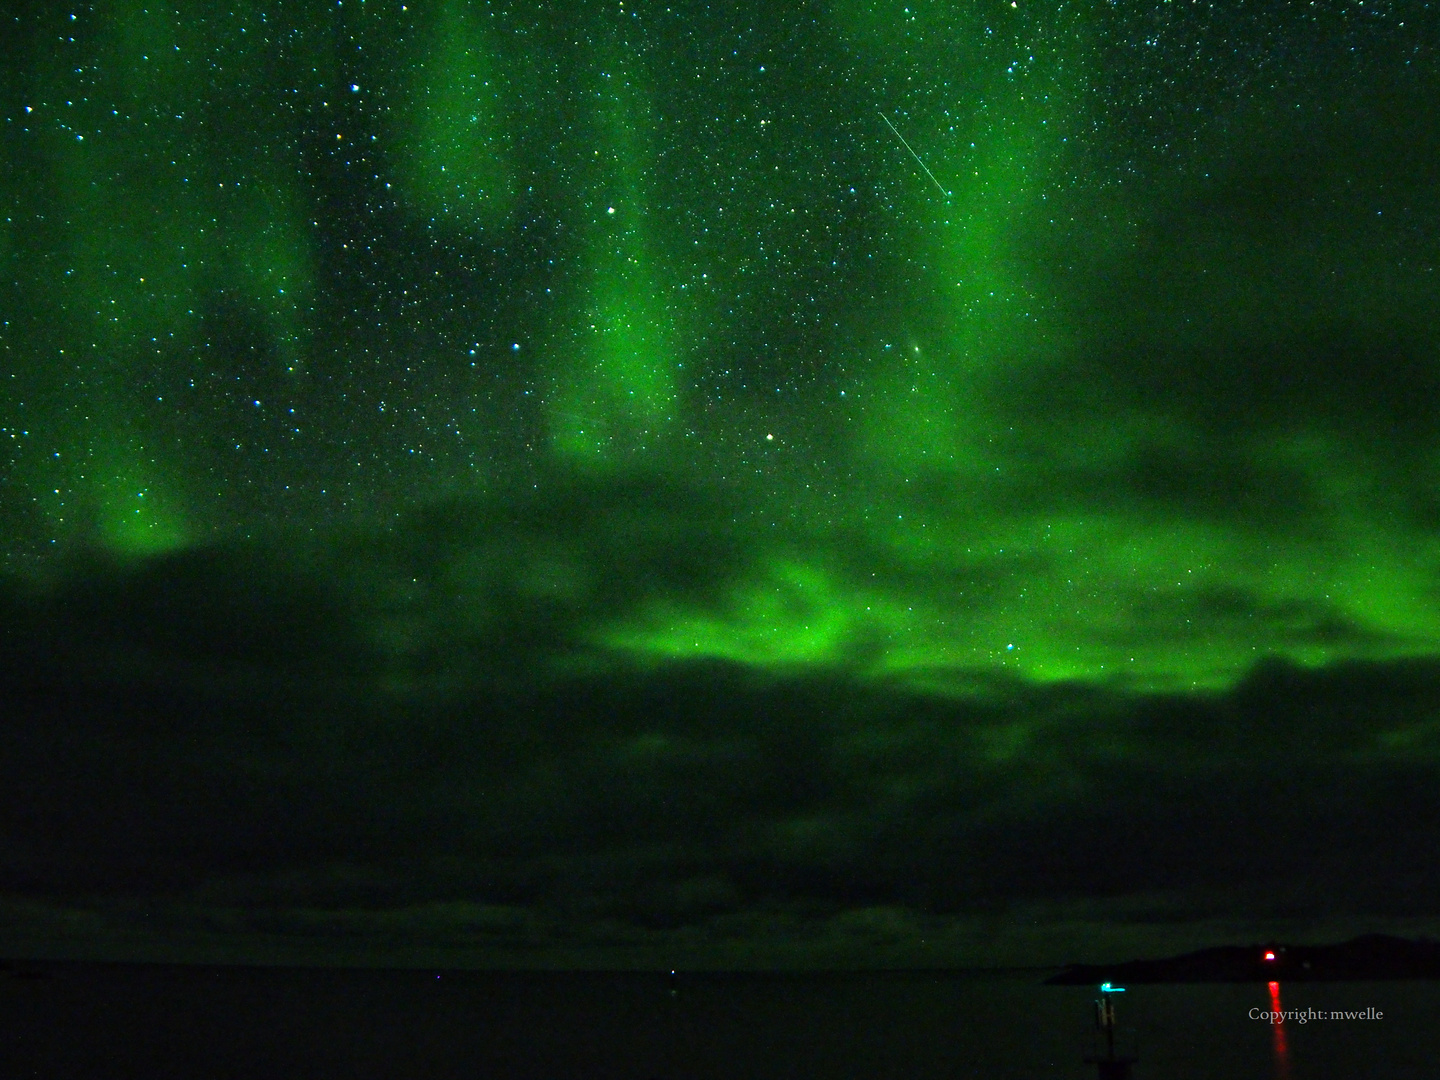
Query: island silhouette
[[1365, 958]]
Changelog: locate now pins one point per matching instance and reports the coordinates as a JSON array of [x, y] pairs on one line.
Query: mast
[[1111, 1066]]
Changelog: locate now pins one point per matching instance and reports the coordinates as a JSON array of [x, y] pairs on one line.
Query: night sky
[[717, 484]]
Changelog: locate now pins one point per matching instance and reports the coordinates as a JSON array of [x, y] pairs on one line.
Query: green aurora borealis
[[649, 241], [545, 341]]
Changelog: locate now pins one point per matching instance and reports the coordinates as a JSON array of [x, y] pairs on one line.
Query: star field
[[754, 484], [1044, 337]]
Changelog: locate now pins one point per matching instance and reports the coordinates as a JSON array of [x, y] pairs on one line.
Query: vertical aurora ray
[[150, 220], [1012, 540], [977, 310], [613, 359], [507, 483], [932, 433], [134, 512], [156, 214], [1035, 425], [452, 157]]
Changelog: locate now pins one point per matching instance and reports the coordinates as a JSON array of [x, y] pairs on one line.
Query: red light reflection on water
[[1282, 1050]]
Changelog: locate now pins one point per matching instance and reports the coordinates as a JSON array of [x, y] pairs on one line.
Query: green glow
[[791, 616], [452, 160], [616, 258], [153, 51], [615, 381], [623, 389], [273, 263], [144, 529], [742, 484], [133, 240], [156, 229], [1095, 599], [136, 514], [995, 146]]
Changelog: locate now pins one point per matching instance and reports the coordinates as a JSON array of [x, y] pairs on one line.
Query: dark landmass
[[1371, 957]]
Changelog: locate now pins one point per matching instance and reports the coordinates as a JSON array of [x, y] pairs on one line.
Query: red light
[[1269, 955], [1282, 1052]]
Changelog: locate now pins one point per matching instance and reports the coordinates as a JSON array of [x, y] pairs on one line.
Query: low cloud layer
[[233, 739]]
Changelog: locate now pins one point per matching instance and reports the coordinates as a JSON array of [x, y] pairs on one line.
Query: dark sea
[[126, 1020]]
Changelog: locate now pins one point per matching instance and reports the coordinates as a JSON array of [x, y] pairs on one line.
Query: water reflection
[[1281, 1048]]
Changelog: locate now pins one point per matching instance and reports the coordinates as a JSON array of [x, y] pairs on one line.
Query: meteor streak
[[916, 156]]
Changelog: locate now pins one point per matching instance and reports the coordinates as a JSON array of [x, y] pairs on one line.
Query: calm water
[[124, 1020]]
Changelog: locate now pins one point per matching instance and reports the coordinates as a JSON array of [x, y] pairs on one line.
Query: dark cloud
[[1273, 228], [1342, 380], [920, 562], [1260, 327], [1207, 613], [241, 749], [511, 580]]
